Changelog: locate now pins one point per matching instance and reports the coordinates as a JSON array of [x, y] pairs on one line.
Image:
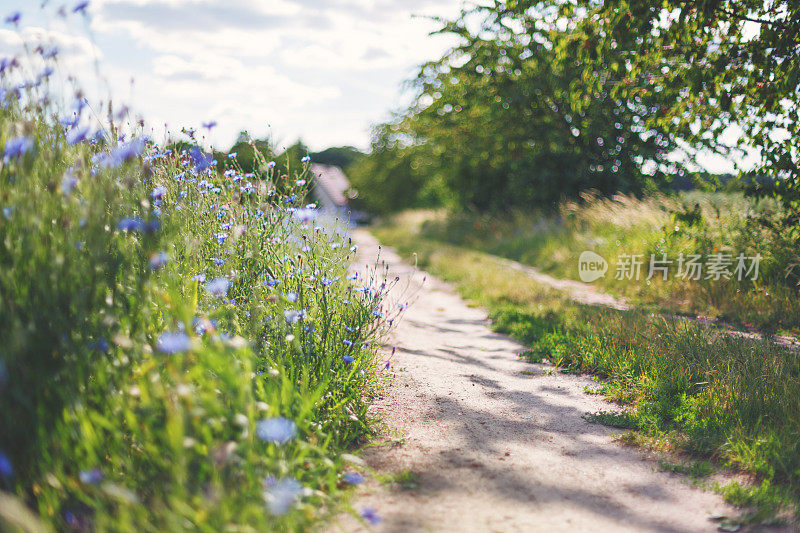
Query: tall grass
[[184, 347], [689, 223], [689, 388]]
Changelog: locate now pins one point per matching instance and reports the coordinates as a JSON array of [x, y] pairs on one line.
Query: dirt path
[[493, 443]]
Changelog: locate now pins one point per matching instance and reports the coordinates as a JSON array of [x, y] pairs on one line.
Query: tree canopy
[[543, 99]]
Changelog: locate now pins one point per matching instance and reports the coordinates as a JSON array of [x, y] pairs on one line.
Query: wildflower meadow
[[183, 344]]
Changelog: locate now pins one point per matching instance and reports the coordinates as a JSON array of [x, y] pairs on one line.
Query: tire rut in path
[[494, 443]]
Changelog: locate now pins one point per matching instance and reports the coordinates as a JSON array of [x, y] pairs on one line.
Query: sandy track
[[499, 444]]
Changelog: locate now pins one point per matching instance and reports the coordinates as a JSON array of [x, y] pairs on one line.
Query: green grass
[[687, 388], [723, 223], [107, 425]]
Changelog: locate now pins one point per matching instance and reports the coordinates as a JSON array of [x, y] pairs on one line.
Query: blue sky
[[320, 70]]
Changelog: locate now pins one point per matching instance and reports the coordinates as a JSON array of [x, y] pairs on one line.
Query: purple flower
[[13, 18], [210, 124], [218, 287], [120, 154], [353, 478], [76, 135], [282, 495], [306, 159], [17, 147], [158, 192], [91, 477], [131, 224], [277, 430], [158, 260], [6, 469], [369, 514], [173, 342], [202, 161], [291, 296], [80, 7], [348, 359]]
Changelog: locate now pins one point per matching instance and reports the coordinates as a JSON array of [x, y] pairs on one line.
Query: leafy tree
[[718, 63], [340, 156], [392, 177], [511, 116]]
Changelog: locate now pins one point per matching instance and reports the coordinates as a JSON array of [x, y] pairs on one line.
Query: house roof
[[333, 181]]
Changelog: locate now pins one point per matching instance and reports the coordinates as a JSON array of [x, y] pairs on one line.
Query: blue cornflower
[[17, 147], [173, 342], [348, 358], [282, 495], [306, 159], [200, 277], [158, 192], [158, 260], [300, 183], [218, 287], [201, 160], [271, 164], [277, 430], [91, 477], [13, 18], [80, 7], [218, 262], [353, 478], [69, 122], [209, 125], [291, 296], [76, 135], [221, 236], [131, 224], [369, 514], [6, 468]]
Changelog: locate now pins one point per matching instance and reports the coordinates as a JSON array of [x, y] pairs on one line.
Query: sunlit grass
[[726, 223]]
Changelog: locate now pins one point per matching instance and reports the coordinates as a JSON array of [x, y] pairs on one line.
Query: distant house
[[330, 187]]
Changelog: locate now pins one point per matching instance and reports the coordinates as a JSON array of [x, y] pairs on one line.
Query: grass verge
[[666, 227], [183, 345], [690, 389]]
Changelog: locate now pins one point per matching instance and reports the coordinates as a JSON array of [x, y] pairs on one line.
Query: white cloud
[[323, 70]]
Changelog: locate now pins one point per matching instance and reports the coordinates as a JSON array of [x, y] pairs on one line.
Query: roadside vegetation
[[662, 226], [184, 347], [689, 389]]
